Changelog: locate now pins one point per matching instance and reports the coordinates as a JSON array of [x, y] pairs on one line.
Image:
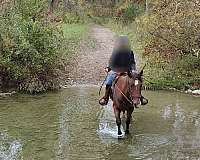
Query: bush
[[30, 51], [170, 38], [128, 12], [72, 18]]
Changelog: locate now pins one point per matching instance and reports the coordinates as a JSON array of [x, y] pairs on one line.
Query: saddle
[[118, 76]]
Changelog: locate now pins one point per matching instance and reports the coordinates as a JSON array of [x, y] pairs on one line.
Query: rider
[[121, 60]]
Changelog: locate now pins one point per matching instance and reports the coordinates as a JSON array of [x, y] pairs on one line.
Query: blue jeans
[[111, 77]]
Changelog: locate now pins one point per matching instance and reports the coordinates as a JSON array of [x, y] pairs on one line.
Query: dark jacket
[[122, 60]]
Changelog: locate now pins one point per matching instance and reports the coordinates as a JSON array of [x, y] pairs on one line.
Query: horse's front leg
[[128, 120], [118, 119]]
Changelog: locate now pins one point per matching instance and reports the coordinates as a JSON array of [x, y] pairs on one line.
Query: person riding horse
[[122, 60]]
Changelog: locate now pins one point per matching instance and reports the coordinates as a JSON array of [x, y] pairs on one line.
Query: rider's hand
[[107, 69]]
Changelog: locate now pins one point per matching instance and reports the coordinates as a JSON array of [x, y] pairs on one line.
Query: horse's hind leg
[[118, 120], [128, 120]]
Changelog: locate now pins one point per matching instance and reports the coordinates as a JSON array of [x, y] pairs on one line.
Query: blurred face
[[122, 42]]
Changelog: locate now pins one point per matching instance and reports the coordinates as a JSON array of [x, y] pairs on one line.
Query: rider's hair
[[122, 42]]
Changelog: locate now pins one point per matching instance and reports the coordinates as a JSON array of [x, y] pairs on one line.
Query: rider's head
[[122, 42]]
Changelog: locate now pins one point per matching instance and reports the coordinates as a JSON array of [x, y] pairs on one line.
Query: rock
[[197, 92], [188, 91], [7, 94], [63, 86]]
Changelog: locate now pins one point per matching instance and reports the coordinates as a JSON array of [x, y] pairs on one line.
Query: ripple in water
[[146, 145], [167, 112]]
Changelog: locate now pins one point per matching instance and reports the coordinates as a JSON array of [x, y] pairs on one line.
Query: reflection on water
[[70, 125]]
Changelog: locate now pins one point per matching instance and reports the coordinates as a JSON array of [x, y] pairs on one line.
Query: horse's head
[[135, 84]]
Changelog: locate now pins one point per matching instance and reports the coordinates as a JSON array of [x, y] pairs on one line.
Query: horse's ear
[[141, 73]]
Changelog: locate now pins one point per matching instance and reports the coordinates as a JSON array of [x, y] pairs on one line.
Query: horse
[[126, 95]]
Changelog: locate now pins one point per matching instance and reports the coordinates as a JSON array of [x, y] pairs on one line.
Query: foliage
[[127, 12], [30, 49], [34, 47], [72, 18], [170, 35]]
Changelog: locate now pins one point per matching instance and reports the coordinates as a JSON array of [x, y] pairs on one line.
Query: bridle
[[129, 99]]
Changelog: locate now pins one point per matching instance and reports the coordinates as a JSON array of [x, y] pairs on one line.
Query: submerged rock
[[7, 94], [197, 92], [188, 91]]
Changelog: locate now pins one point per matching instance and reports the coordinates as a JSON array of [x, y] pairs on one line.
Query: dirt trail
[[89, 65]]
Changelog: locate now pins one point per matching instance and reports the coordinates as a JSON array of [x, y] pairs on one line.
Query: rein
[[130, 101]]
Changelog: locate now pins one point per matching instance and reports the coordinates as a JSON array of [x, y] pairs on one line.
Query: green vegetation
[[74, 31], [168, 43], [171, 43], [38, 38], [73, 34], [34, 50]]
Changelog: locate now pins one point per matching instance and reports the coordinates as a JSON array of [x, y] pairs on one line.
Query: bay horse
[[126, 95]]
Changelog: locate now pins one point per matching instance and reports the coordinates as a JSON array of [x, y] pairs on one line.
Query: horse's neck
[[123, 83]]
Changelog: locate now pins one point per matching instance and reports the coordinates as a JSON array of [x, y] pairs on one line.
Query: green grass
[[73, 34], [74, 31]]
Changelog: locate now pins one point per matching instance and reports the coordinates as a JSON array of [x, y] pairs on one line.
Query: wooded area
[[32, 41]]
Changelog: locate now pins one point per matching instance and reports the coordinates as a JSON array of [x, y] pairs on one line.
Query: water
[[70, 125]]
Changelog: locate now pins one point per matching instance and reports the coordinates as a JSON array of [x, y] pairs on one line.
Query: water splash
[[107, 125], [9, 149], [110, 130]]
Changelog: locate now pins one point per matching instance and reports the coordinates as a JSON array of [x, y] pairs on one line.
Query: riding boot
[[104, 100], [143, 100]]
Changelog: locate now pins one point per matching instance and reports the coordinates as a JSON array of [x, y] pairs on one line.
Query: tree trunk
[[147, 6], [53, 5]]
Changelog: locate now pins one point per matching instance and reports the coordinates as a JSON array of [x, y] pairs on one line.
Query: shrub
[[30, 51], [128, 12], [170, 38], [72, 18]]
